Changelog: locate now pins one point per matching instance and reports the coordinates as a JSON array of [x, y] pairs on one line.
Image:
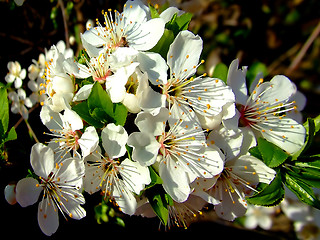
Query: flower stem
[[31, 132]]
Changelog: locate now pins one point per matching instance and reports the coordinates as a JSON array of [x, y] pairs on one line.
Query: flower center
[[114, 31]]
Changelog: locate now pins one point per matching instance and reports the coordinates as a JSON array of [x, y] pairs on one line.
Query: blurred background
[[272, 37]]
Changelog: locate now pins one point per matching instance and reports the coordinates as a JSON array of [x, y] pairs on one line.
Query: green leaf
[[120, 113], [221, 72], [270, 195], [102, 109], [159, 201], [317, 123], [154, 12], [155, 179], [271, 154], [100, 99], [11, 135], [179, 23], [310, 126], [307, 171], [4, 110], [162, 47], [100, 115], [254, 151], [83, 111], [301, 189]]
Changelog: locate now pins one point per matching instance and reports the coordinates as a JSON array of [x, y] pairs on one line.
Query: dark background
[[267, 32]]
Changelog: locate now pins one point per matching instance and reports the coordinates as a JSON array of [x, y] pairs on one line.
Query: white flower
[[19, 103], [118, 179], [65, 130], [179, 214], [113, 70], [60, 181], [135, 86], [15, 74], [38, 90], [205, 95], [259, 216], [131, 28], [242, 172], [179, 153], [264, 111], [36, 69], [59, 85]]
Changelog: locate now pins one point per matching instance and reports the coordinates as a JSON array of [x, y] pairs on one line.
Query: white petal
[[72, 206], [167, 14], [18, 82], [134, 176], [282, 89], [155, 66], [131, 102], [88, 141], [91, 37], [175, 180], [27, 192], [265, 222], [73, 119], [251, 222], [83, 93], [124, 198], [48, 218], [251, 169], [237, 81], [10, 194], [28, 102], [51, 119], [231, 204], [71, 173], [145, 148], [42, 160], [91, 42], [114, 139], [286, 133], [23, 74], [62, 84], [136, 11], [147, 35], [213, 162], [148, 123], [21, 94], [151, 100], [184, 53], [228, 140]]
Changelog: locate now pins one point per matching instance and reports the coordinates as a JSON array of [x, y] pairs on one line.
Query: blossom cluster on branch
[[130, 118]]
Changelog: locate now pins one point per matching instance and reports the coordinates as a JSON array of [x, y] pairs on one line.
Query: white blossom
[[66, 131], [118, 179], [241, 173], [15, 74], [20, 102], [60, 180], [264, 110], [132, 28], [179, 153], [205, 95]]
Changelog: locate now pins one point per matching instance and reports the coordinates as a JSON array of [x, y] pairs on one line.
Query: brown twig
[[65, 22], [304, 49], [21, 119]]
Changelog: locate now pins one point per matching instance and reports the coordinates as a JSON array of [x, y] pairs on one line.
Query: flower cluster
[[136, 123]]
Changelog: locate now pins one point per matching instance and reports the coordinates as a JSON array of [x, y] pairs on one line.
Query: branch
[[304, 49], [65, 22]]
